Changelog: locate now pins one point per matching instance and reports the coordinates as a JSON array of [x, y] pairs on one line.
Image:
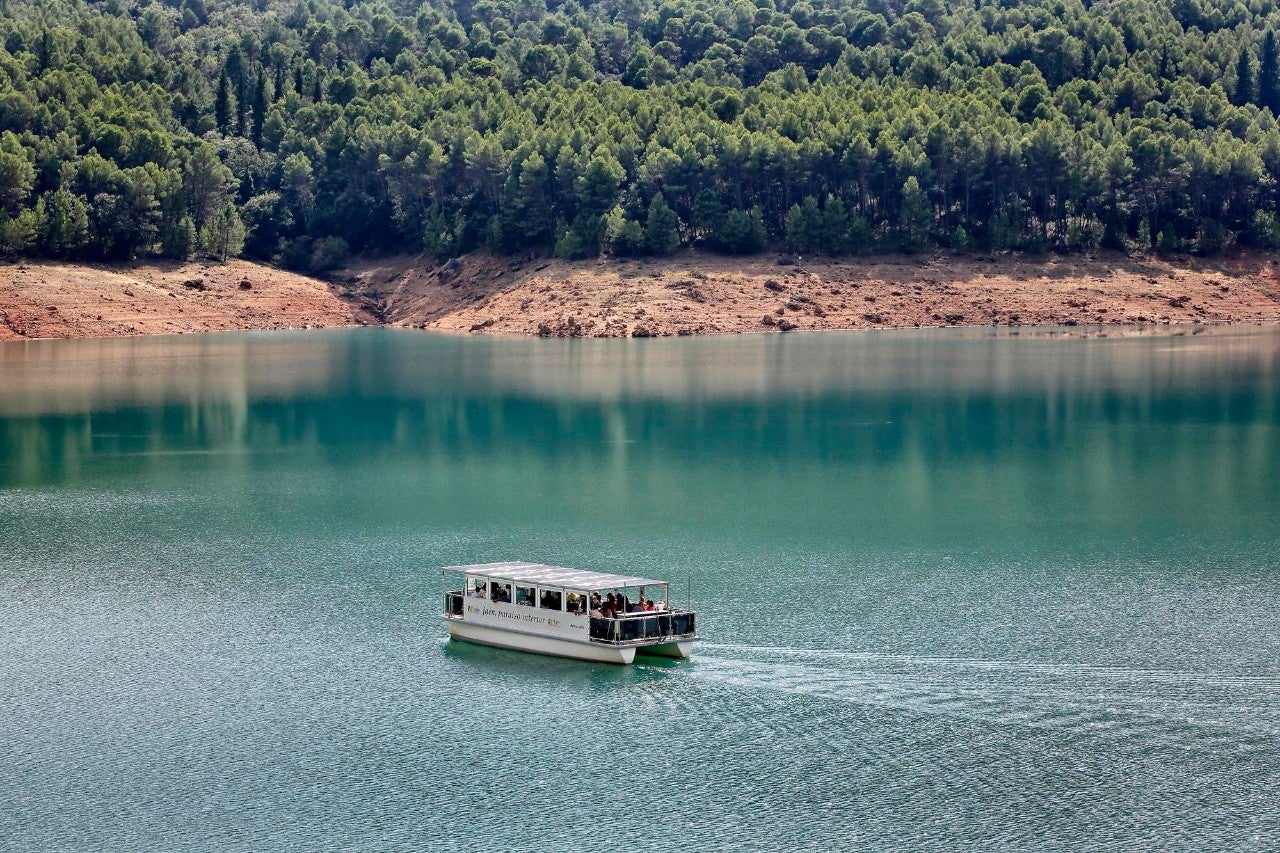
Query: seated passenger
[[478, 592], [648, 605]]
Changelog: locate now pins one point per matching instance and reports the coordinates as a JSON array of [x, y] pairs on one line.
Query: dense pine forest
[[303, 131]]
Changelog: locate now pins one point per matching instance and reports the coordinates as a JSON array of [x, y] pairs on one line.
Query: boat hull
[[677, 649], [521, 642]]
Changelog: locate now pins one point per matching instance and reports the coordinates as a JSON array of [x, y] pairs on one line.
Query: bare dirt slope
[[700, 293], [687, 294], [41, 299]]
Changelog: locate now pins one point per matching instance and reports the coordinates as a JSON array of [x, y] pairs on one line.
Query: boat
[[554, 610]]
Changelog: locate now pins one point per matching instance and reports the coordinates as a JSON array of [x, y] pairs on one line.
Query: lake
[[959, 589]]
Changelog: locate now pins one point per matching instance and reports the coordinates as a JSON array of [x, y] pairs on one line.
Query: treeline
[[303, 131]]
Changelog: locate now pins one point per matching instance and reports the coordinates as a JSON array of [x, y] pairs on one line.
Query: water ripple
[[1199, 710]]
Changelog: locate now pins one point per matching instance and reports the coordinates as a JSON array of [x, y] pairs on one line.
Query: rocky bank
[[690, 293]]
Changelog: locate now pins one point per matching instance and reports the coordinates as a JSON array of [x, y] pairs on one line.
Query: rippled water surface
[[959, 591]]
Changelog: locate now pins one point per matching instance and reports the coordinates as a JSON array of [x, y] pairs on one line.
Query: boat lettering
[[503, 614]]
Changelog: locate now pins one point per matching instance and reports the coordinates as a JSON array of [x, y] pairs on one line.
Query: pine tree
[[258, 106], [623, 236], [207, 182], [1269, 75], [708, 213], [611, 231], [224, 236], [793, 229], [597, 189], [222, 105], [812, 223], [835, 226], [662, 228], [62, 227], [1244, 78], [741, 232], [915, 217], [234, 70]]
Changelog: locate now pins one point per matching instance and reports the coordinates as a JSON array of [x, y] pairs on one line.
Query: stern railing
[[631, 628]]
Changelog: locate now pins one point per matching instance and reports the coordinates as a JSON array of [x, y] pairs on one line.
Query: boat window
[[526, 595], [476, 588], [577, 602], [551, 599], [500, 592]]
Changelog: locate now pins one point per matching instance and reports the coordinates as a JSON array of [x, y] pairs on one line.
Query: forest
[[302, 132]]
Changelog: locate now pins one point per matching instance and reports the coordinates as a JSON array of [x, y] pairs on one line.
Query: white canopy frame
[[540, 573]]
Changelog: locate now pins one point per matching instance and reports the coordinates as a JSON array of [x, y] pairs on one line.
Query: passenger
[[478, 592], [648, 605], [596, 612]]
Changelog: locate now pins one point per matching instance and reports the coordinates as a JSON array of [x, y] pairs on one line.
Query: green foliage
[[1264, 230], [17, 176], [597, 188], [62, 224], [1142, 242], [580, 239], [132, 128], [1244, 89], [915, 216], [741, 232], [662, 228], [178, 239], [328, 253], [224, 236], [1269, 74], [17, 233], [222, 105], [804, 226], [623, 236]]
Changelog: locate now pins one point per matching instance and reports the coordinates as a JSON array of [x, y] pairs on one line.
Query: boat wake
[[1195, 709]]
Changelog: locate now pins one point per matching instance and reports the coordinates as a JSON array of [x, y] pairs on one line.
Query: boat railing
[[623, 629], [649, 625]]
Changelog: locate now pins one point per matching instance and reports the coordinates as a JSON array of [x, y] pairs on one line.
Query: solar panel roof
[[539, 573]]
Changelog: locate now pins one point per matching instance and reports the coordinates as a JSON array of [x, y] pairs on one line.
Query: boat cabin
[[567, 612]]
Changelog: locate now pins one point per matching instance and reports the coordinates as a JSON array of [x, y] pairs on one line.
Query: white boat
[[553, 610]]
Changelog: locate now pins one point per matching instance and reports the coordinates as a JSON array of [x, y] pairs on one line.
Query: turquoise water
[[959, 591]]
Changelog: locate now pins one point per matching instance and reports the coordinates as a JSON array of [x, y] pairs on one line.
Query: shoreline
[[689, 293]]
